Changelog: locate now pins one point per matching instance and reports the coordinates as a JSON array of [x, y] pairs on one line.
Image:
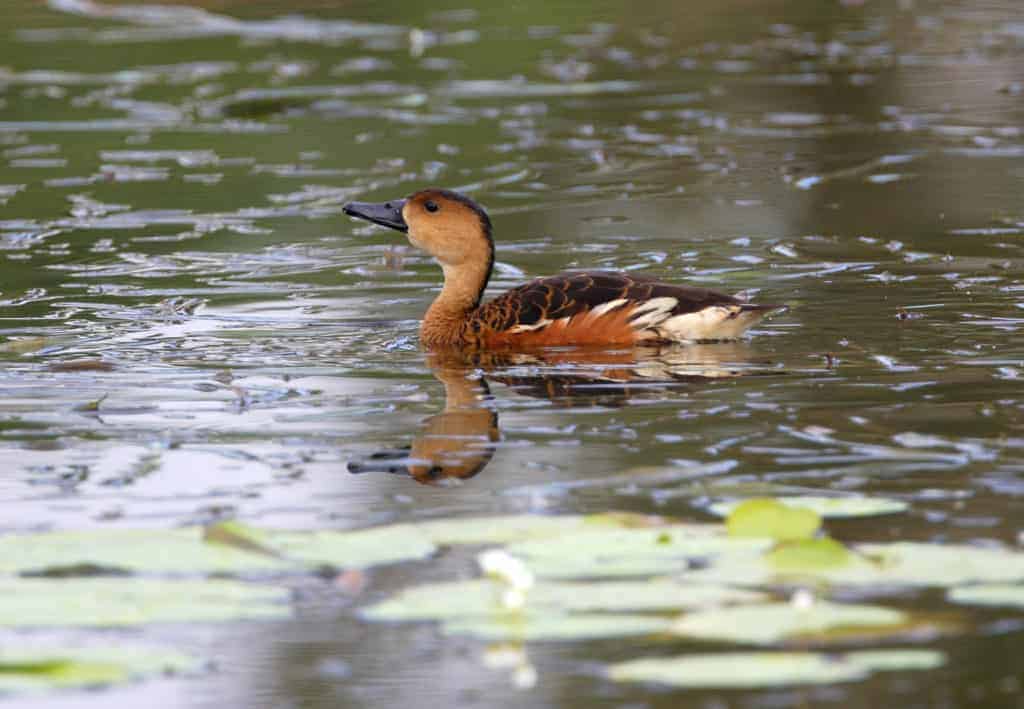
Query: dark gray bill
[[387, 214]]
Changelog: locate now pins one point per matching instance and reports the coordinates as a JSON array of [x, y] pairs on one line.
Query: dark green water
[[171, 242]]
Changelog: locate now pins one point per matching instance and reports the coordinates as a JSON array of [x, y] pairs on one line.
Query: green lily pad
[[809, 555], [29, 667], [353, 549], [481, 597], [769, 623], [110, 602], [187, 550], [995, 594], [541, 626], [770, 669], [879, 565], [504, 529], [631, 552], [827, 507], [768, 518], [159, 551]]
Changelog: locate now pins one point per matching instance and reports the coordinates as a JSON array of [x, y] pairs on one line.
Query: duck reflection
[[459, 442]]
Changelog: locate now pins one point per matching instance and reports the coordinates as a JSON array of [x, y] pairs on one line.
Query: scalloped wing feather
[[599, 308]]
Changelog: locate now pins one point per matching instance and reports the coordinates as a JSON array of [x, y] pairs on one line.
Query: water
[[193, 330]]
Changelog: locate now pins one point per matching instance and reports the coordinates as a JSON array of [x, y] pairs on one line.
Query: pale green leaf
[[30, 666], [768, 623], [752, 670], [989, 595], [482, 597], [631, 552], [827, 507], [534, 627], [767, 518], [133, 601]]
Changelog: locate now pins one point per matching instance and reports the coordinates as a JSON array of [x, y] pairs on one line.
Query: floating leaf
[[809, 555], [185, 550], [827, 507], [775, 622], [533, 627], [631, 552], [770, 669], [32, 667], [504, 529], [125, 602], [768, 518], [481, 597], [353, 549], [897, 564], [158, 551], [989, 595]]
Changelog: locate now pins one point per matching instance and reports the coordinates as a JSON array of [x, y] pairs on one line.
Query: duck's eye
[[431, 206]]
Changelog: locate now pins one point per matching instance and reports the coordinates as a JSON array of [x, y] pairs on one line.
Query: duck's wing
[[601, 307]]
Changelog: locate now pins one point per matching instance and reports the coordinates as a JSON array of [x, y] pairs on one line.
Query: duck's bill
[[387, 214]]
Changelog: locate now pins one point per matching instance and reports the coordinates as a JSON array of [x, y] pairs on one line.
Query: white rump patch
[[652, 313], [718, 322]]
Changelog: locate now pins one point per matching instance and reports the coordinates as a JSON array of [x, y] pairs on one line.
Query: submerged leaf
[[768, 518], [776, 622], [770, 669], [827, 507]]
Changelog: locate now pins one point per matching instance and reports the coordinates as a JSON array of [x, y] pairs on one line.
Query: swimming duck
[[575, 308]]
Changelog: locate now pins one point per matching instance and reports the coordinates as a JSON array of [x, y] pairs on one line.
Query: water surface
[[192, 329]]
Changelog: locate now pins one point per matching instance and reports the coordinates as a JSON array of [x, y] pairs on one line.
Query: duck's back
[[609, 308]]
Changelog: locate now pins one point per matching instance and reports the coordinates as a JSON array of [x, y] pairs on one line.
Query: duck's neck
[[448, 316]]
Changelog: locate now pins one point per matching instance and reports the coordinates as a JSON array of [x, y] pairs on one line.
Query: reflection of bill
[[460, 441]]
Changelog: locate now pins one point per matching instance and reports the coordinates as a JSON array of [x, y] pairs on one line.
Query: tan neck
[[460, 296]]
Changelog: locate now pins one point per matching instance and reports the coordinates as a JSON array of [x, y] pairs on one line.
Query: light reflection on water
[[192, 329]]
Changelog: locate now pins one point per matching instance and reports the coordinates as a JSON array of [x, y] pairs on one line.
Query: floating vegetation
[[838, 507], [119, 602], [751, 670], [32, 666]]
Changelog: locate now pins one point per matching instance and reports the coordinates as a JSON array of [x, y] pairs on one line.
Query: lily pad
[[989, 595], [38, 668], [769, 518], [187, 550], [809, 555], [770, 669], [108, 602], [827, 507], [768, 623], [541, 626], [880, 565], [481, 597], [504, 529], [631, 552]]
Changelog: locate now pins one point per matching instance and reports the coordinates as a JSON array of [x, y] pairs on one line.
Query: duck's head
[[448, 225]]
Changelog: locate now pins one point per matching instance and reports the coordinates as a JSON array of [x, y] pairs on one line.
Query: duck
[[576, 308]]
